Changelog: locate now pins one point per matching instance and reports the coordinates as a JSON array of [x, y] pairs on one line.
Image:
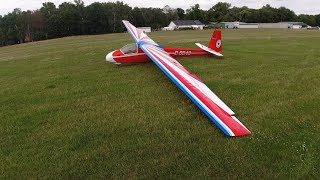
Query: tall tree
[[49, 13], [285, 14], [195, 13], [120, 11], [268, 14], [154, 17], [96, 15], [219, 12], [181, 13], [138, 18], [170, 13], [308, 19], [13, 23], [70, 19], [33, 26], [317, 19], [2, 32]]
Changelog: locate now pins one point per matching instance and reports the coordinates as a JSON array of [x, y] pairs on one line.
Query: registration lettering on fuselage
[[181, 53]]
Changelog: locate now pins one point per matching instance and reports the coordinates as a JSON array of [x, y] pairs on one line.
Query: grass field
[[67, 113]]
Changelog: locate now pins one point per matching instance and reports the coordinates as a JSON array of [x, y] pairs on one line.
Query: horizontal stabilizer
[[205, 48]]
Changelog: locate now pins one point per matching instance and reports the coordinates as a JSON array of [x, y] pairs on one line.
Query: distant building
[[186, 24], [215, 25], [231, 25], [248, 26], [274, 25], [145, 29], [167, 29], [296, 27], [284, 25], [279, 25], [313, 28], [240, 25]]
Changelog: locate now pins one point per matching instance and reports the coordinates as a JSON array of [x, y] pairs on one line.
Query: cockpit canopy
[[129, 48]]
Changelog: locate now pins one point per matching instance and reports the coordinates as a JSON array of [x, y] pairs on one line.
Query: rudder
[[215, 41]]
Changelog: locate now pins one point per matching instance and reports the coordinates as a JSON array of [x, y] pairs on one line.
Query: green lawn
[[65, 113]]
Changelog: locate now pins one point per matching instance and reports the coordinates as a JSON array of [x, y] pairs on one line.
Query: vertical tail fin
[[215, 41]]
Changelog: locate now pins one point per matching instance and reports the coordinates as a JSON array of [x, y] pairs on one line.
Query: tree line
[[69, 19]]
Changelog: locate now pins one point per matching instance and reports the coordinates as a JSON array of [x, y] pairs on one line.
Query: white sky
[[298, 6]]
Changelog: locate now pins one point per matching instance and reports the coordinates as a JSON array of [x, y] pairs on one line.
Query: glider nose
[[109, 57]]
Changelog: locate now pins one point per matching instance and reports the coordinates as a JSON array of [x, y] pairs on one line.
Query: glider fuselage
[[132, 54]]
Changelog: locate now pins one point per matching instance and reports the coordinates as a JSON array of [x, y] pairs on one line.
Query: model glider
[[145, 49]]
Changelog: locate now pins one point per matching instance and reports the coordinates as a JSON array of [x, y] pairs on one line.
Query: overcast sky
[[298, 6]]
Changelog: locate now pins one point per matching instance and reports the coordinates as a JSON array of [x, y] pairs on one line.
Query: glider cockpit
[[129, 53], [129, 48]]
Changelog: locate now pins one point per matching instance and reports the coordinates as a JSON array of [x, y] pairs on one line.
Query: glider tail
[[215, 44], [215, 41]]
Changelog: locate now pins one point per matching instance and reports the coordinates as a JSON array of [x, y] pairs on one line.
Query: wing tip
[[243, 132]]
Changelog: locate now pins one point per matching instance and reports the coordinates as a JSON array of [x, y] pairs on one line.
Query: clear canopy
[[130, 48]]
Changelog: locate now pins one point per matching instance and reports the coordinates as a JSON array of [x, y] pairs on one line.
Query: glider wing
[[192, 86], [137, 34]]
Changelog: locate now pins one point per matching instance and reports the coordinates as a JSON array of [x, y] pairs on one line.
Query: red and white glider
[[146, 49]]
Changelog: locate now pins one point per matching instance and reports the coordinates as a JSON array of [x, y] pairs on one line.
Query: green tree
[[70, 19], [180, 13], [96, 15], [13, 27], [2, 32], [138, 18], [285, 14], [266, 14], [317, 19], [195, 13], [220, 12], [120, 11], [33, 25], [154, 17], [308, 19], [50, 16], [170, 13]]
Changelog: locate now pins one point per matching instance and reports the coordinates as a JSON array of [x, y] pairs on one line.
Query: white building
[[145, 29], [231, 25], [186, 24], [296, 26], [284, 25], [239, 25], [248, 26], [167, 29], [279, 25]]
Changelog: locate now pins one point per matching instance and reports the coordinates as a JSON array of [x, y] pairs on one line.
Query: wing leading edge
[[191, 85]]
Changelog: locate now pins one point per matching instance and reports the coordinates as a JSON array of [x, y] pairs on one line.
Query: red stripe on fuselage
[[134, 58], [174, 52]]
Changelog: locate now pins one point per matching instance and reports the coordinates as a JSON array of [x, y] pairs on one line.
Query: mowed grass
[[65, 113]]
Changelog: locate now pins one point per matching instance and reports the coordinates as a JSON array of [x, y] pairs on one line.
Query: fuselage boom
[[121, 57]]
